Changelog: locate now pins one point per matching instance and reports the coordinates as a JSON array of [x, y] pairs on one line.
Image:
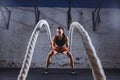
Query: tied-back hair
[[61, 28]]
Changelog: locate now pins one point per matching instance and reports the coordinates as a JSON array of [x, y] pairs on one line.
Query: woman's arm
[[67, 42], [53, 42]]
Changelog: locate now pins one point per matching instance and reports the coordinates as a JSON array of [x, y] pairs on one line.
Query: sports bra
[[60, 42]]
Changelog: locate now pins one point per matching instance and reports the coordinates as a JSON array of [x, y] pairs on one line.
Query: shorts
[[60, 50]]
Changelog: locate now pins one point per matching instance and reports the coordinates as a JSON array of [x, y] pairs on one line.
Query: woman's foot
[[46, 72], [73, 72]]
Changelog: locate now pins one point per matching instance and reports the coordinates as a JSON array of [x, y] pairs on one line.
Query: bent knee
[[69, 54], [51, 53]]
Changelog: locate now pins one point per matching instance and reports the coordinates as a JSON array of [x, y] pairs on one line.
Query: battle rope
[[30, 48], [94, 61], [97, 70]]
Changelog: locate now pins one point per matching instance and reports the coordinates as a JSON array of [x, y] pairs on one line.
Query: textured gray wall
[[14, 41]]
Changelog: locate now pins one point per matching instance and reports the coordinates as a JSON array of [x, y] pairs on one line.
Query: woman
[[60, 44]]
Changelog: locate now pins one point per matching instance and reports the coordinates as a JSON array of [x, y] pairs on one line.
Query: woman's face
[[59, 32]]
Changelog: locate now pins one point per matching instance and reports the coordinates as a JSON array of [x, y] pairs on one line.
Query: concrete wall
[[14, 41]]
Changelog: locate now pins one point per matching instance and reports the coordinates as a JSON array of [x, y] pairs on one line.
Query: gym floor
[[57, 74]]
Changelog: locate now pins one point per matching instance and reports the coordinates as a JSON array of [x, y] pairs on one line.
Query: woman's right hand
[[55, 48]]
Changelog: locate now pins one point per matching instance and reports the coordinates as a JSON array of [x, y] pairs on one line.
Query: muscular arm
[[67, 42], [53, 43]]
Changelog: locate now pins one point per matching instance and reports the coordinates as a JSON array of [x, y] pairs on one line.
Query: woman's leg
[[50, 54], [71, 61]]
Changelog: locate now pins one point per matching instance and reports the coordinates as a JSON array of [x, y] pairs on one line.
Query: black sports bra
[[60, 42]]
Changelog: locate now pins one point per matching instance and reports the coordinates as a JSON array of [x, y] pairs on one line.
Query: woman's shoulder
[[54, 37], [66, 37]]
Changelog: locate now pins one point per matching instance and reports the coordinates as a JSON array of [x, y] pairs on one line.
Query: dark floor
[[57, 74]]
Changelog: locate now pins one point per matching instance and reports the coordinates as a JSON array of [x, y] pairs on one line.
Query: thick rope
[[30, 49], [97, 70], [95, 63]]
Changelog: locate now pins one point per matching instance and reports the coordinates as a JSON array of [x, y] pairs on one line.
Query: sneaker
[[73, 72], [46, 72]]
